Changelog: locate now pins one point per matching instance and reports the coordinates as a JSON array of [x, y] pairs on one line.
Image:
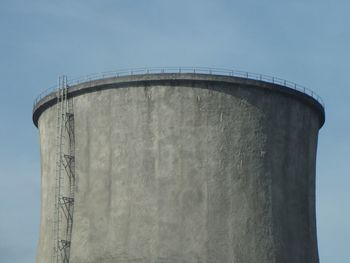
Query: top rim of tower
[[47, 98]]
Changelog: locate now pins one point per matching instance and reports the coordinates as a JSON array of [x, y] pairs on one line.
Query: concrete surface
[[187, 169]]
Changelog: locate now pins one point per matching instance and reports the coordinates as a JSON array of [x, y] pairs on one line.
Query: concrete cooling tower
[[178, 166]]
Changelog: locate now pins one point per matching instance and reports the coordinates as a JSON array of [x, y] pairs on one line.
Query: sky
[[305, 41]]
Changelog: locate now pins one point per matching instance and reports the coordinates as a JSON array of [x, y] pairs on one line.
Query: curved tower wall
[[186, 168]]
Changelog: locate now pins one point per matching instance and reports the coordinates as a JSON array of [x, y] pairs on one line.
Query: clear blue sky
[[306, 41]]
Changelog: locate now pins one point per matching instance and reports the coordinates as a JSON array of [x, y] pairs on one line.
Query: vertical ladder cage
[[65, 175]]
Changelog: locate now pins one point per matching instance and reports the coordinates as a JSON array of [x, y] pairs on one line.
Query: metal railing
[[199, 70]]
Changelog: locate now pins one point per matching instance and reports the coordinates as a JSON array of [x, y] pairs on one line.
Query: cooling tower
[[178, 167]]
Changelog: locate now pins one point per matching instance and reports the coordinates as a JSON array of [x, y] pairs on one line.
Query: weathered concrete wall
[[187, 172]]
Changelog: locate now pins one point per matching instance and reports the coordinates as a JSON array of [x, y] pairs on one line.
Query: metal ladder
[[65, 175]]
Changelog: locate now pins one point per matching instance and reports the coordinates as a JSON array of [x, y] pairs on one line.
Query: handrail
[[199, 70]]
